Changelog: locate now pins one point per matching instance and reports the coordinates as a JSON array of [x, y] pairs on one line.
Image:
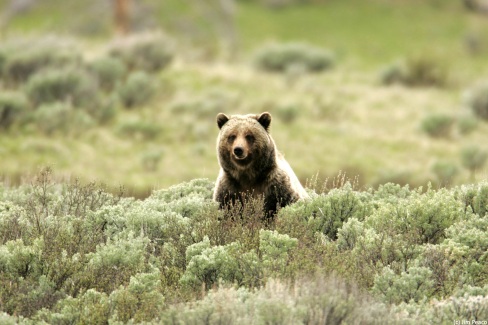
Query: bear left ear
[[265, 120], [222, 119]]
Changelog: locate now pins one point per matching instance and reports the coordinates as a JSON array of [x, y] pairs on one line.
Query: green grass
[[371, 32]]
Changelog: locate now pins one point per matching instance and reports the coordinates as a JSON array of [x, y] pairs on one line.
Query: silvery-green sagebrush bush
[[147, 52], [287, 56], [137, 90], [476, 99], [22, 58], [14, 106]]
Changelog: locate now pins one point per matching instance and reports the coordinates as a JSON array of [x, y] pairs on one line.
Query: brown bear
[[251, 165]]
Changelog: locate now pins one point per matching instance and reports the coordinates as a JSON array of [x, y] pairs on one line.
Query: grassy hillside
[[340, 119]]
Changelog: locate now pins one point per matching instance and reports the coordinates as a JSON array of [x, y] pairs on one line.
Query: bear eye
[[250, 138], [231, 138]]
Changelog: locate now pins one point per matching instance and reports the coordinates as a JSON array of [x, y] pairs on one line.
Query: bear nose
[[239, 152]]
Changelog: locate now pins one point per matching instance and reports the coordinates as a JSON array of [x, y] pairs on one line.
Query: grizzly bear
[[250, 164]]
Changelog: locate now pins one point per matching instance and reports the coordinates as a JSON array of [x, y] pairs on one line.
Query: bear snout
[[239, 152]]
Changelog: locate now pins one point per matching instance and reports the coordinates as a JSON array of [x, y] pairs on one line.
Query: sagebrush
[[73, 253]]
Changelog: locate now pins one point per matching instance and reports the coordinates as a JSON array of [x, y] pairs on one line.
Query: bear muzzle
[[241, 156], [239, 153]]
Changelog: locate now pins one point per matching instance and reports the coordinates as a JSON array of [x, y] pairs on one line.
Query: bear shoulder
[[295, 184]]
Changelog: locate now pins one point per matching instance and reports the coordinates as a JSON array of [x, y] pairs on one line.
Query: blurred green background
[[383, 90]]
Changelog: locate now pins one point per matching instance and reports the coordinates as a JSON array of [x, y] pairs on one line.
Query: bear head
[[244, 145]]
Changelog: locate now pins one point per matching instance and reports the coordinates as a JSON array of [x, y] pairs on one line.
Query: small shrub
[[416, 71], [444, 264], [349, 233], [10, 320], [105, 108], [91, 307], [201, 187], [438, 125], [24, 289], [109, 71], [13, 106], [467, 124], [114, 262], [137, 90], [419, 218], [393, 74], [24, 58], [467, 244], [149, 52], [477, 100], [391, 193], [394, 232], [205, 105], [150, 159], [18, 259], [445, 171], [462, 308], [71, 85], [282, 57], [481, 200], [140, 300], [207, 265], [61, 117], [139, 129], [303, 301], [288, 113], [474, 198], [425, 71], [274, 249], [326, 213], [473, 158], [413, 285]]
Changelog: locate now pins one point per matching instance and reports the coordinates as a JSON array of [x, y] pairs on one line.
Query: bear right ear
[[222, 119], [265, 120]]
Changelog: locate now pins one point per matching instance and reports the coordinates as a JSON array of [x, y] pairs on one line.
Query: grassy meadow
[[340, 119]]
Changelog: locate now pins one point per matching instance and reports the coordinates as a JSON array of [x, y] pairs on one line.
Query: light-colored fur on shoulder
[[295, 183]]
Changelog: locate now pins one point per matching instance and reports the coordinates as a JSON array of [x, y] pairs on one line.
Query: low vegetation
[[287, 57], [71, 253], [477, 100], [421, 71]]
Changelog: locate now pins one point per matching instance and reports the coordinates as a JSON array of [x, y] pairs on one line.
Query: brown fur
[[251, 164]]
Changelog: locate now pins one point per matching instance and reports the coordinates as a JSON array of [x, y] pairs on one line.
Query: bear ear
[[222, 119], [265, 120]]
